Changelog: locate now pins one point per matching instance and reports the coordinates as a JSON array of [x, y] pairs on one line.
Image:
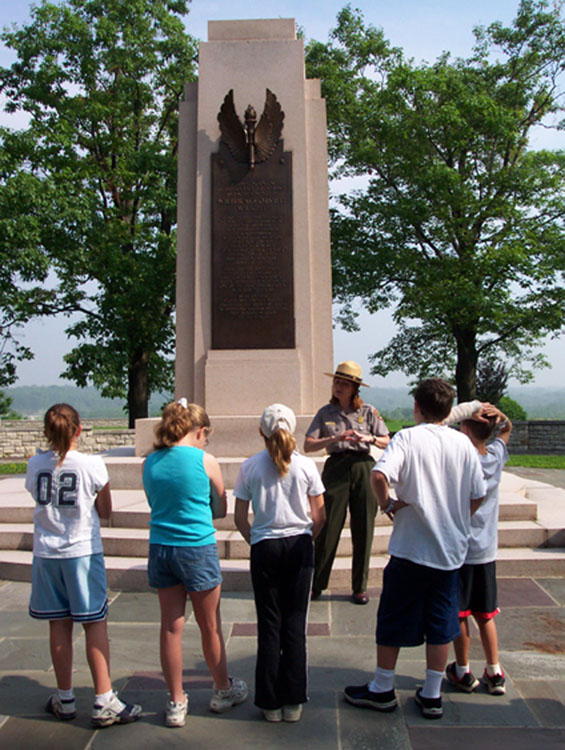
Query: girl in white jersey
[[72, 493], [283, 488]]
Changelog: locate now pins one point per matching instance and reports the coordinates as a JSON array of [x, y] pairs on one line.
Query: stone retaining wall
[[21, 439], [541, 437]]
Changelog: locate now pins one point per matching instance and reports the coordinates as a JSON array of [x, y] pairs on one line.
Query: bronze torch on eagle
[[248, 141]]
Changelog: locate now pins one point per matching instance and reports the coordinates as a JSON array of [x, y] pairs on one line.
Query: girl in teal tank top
[[180, 479]]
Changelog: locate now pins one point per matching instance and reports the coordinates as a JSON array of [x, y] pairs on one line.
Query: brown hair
[[177, 421], [60, 425], [435, 398], [280, 446], [356, 400], [481, 431]]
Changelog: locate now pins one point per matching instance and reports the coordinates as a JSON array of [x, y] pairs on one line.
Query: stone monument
[[253, 314]]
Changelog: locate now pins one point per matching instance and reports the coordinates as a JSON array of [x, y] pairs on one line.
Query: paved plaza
[[341, 652]]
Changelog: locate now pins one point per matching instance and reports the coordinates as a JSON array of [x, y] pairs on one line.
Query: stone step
[[132, 511], [531, 515], [125, 471], [130, 574], [133, 542]]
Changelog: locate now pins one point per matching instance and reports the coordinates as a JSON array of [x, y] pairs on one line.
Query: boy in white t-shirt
[[439, 485], [477, 577]]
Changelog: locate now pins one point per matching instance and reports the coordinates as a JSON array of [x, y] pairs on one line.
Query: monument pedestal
[[233, 436], [252, 244], [238, 381]]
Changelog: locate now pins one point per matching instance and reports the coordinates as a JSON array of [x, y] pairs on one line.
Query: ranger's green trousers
[[346, 477]]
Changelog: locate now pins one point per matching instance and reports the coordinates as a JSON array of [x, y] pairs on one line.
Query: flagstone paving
[[341, 651]]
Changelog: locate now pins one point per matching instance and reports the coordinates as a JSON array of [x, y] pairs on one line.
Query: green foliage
[[101, 81], [461, 225], [23, 262], [512, 409], [6, 411], [394, 425]]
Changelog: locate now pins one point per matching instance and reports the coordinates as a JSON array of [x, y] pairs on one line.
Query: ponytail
[[280, 446], [177, 420], [60, 426]]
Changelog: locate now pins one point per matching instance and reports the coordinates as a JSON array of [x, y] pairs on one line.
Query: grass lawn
[[538, 462], [16, 467]]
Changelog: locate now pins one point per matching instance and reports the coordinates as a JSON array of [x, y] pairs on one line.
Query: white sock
[[461, 671], [104, 698], [383, 681], [493, 669], [66, 695], [432, 684]]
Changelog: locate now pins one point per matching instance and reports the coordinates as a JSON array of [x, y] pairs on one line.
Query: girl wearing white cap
[[286, 493], [346, 428]]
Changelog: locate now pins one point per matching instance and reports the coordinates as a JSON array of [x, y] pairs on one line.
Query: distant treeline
[[34, 400], [539, 403], [395, 403]]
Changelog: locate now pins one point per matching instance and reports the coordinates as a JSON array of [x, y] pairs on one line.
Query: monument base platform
[[233, 436]]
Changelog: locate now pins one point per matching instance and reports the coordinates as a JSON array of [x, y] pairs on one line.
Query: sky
[[424, 30]]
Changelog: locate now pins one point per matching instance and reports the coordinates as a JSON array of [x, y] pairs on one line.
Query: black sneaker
[[360, 695], [496, 684], [62, 709], [430, 707], [467, 683]]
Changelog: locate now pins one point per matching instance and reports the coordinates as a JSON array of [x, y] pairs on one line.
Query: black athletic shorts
[[477, 591]]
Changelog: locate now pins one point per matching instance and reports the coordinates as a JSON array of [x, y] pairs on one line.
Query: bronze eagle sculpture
[[248, 141]]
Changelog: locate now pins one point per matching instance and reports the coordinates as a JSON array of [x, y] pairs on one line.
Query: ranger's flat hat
[[348, 371]]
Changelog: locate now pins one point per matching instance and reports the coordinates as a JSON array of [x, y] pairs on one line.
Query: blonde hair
[[60, 426], [177, 421], [280, 446]]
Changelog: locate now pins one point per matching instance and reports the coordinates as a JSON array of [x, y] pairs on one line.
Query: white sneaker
[[175, 713], [114, 712], [274, 714], [292, 712], [223, 700], [62, 709]]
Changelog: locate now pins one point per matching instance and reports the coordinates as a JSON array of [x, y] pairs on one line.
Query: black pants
[[347, 479], [281, 571]]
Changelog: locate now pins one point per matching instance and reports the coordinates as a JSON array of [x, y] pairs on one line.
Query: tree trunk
[[138, 388], [466, 368]]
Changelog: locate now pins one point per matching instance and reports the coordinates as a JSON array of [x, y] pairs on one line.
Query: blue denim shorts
[[417, 604], [197, 568], [72, 587]]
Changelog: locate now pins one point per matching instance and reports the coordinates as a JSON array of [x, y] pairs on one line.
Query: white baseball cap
[[277, 417]]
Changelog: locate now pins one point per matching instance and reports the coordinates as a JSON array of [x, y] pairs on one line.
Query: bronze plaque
[[252, 255]]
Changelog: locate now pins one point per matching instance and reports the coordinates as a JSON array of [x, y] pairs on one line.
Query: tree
[[492, 380], [6, 411], [461, 223], [101, 81], [23, 264], [512, 409]]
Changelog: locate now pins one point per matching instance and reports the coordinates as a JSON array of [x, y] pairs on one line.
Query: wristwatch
[[390, 506]]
